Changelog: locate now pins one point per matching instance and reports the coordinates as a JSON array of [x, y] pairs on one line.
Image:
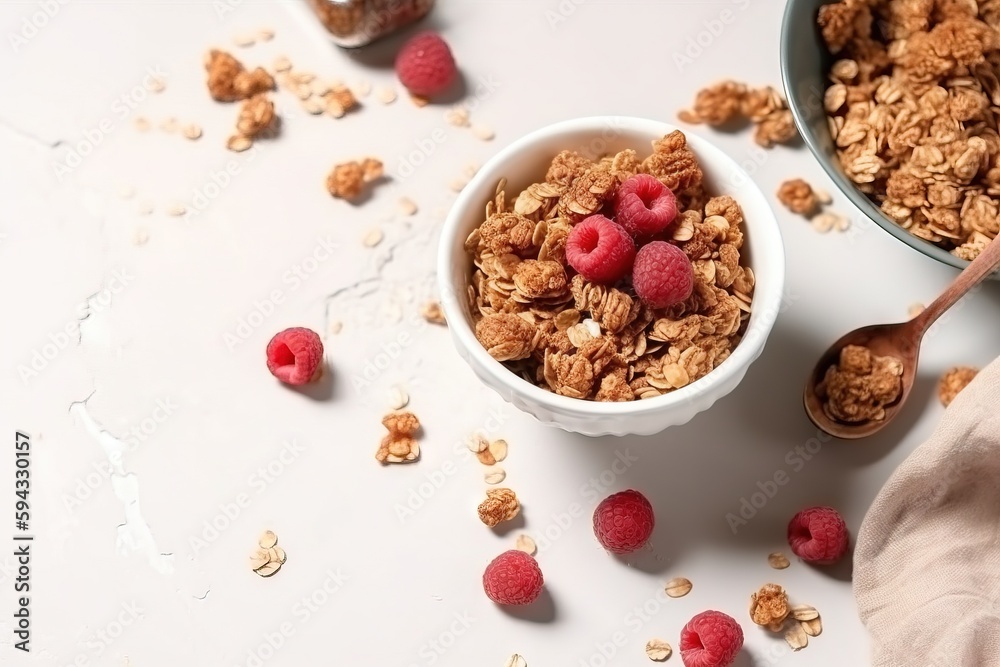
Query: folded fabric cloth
[[927, 559]]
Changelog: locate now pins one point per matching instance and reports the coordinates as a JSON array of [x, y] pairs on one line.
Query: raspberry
[[425, 65], [623, 522], [711, 639], [662, 275], [513, 578], [294, 355], [644, 206], [600, 250], [818, 535]]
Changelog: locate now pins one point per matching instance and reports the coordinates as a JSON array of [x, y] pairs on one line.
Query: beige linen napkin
[[927, 560]]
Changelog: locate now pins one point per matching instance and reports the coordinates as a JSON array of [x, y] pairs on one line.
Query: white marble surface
[[149, 425]]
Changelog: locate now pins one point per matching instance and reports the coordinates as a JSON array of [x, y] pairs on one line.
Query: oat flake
[[498, 448], [678, 587], [313, 106], [778, 560], [483, 132], [259, 558], [477, 443], [407, 206], [433, 313], [457, 116], [526, 544], [269, 569], [386, 95], [238, 143], [813, 627], [373, 237], [334, 108], [495, 475], [398, 398], [176, 210], [658, 650], [363, 88], [319, 88], [796, 637]]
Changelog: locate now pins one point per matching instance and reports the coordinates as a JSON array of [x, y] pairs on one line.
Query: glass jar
[[354, 23]]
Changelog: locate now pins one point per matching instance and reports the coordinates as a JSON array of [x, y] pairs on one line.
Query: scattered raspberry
[[623, 522], [818, 535], [662, 275], [513, 578], [711, 639], [294, 355], [425, 65], [600, 250], [644, 206]]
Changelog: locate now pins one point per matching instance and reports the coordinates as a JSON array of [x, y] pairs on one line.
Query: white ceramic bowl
[[524, 162]]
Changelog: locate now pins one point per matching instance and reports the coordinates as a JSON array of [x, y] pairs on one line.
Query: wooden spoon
[[901, 341]]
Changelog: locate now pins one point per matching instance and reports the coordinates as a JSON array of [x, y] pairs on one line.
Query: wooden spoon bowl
[[901, 341]]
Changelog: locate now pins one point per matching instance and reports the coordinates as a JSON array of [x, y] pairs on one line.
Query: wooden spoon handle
[[980, 268]]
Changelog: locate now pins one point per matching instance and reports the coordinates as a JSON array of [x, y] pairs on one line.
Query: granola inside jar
[[354, 23]]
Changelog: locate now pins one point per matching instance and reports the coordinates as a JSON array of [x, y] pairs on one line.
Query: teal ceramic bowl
[[804, 63]]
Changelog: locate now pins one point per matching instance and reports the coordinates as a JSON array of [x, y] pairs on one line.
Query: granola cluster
[[729, 101], [348, 180], [860, 386], [400, 446], [229, 81], [256, 116], [600, 342], [500, 505], [912, 104], [769, 608], [798, 197], [954, 381], [802, 199]]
